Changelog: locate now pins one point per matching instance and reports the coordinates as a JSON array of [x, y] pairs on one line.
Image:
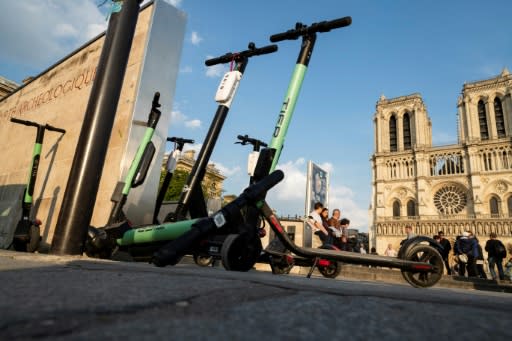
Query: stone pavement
[[77, 298]]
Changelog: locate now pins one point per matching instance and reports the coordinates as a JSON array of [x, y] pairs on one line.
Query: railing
[[447, 217]]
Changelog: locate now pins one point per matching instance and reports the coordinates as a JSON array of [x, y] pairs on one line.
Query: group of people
[[469, 256], [334, 229]]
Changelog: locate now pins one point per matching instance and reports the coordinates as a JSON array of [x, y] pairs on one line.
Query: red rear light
[[324, 262]]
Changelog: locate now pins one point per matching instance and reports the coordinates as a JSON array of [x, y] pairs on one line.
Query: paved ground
[[76, 298]]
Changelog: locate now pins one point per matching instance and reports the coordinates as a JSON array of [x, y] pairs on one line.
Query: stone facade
[[454, 188], [6, 87]]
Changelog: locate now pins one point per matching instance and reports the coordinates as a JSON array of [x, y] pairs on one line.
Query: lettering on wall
[[75, 83]]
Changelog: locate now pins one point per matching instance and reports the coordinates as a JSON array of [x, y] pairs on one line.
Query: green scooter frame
[[28, 232]]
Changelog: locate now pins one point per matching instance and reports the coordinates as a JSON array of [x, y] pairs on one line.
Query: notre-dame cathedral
[[453, 188]]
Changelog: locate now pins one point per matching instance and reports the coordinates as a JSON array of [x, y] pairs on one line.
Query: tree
[[179, 179]]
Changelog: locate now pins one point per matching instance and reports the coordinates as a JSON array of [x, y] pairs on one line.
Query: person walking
[[447, 247], [390, 252], [496, 251]]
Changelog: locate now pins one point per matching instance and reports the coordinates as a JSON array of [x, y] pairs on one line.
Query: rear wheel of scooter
[[427, 254], [330, 271], [203, 260], [280, 265], [34, 237], [240, 254]]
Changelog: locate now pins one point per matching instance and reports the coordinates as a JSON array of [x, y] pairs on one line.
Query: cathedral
[[453, 188]]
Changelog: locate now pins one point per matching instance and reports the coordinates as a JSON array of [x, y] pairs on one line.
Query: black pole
[[84, 178]]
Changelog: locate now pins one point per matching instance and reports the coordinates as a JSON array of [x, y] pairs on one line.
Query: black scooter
[[170, 166], [28, 232]]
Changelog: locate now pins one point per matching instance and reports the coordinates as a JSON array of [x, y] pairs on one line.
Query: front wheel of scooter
[[427, 254], [330, 271], [34, 237], [239, 253], [203, 260]]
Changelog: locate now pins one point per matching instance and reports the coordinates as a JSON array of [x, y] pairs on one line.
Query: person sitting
[[315, 220]]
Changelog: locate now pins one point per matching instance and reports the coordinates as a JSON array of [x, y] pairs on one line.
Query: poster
[[317, 186]]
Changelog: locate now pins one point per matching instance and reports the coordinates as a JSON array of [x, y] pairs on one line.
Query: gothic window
[[450, 199], [494, 207], [482, 120], [498, 113], [392, 134], [396, 208], [509, 205], [407, 132], [411, 208]]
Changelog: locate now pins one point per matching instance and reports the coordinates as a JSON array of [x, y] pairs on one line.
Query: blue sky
[[393, 48]]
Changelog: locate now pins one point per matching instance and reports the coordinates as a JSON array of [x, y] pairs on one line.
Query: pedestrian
[[344, 245], [335, 227], [466, 253], [447, 247], [409, 234], [508, 269], [315, 220], [479, 262], [390, 252], [362, 249], [495, 253], [344, 223]]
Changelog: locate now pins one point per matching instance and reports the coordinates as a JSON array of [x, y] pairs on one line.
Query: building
[[6, 87], [213, 179], [465, 186]]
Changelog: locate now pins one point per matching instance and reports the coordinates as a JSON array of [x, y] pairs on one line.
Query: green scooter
[[28, 231]]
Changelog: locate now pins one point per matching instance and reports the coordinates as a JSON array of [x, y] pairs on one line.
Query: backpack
[[499, 250]]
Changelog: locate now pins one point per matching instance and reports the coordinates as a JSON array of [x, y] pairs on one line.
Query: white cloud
[[195, 38], [225, 170], [186, 69], [216, 70], [53, 29], [175, 3], [193, 124], [65, 30], [178, 118], [196, 147]]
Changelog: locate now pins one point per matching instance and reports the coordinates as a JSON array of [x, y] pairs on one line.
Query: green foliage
[[179, 179]]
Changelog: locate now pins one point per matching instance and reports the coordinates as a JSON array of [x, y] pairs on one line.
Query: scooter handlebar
[[179, 140], [300, 29], [52, 128], [244, 139], [24, 122], [37, 125], [252, 51]]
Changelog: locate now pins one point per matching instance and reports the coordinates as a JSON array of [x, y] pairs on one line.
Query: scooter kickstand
[[313, 267]]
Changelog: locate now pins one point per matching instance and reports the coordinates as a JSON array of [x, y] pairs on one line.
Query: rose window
[[450, 200]]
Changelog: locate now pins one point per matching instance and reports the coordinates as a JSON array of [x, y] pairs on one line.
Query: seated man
[[315, 221]]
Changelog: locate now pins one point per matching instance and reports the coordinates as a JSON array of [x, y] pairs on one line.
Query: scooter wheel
[[34, 237], [330, 271], [427, 254], [203, 260], [280, 266], [240, 254]]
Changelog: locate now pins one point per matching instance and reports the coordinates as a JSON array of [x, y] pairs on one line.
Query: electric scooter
[[268, 157], [170, 166], [192, 202], [28, 232], [139, 166], [421, 264], [141, 246]]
